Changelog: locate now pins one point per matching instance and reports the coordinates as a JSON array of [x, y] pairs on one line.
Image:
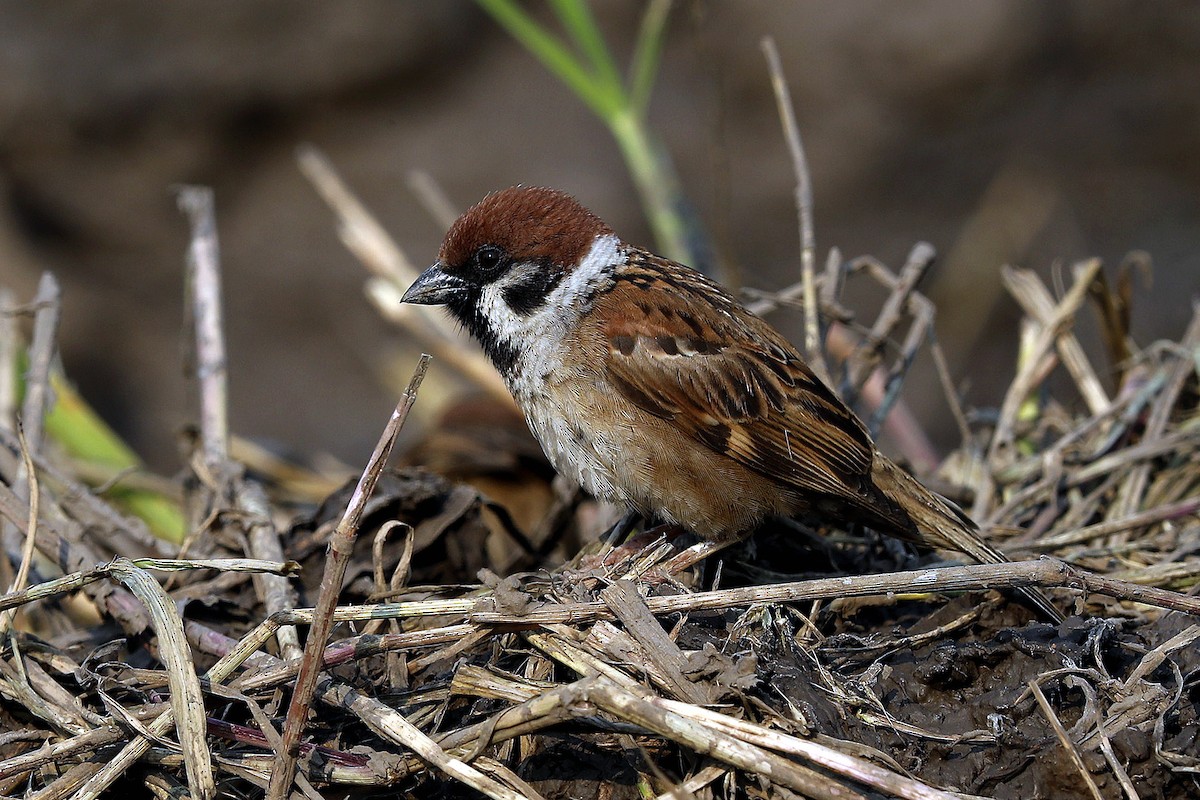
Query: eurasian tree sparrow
[[648, 384]]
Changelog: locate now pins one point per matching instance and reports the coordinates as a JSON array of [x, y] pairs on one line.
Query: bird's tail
[[939, 523]]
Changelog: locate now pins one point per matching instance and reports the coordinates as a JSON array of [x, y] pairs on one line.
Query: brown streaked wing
[[730, 381]]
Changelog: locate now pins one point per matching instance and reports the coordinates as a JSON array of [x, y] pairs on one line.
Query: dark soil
[[935, 687]]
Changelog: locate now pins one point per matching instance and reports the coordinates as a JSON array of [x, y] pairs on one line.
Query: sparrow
[[648, 384]]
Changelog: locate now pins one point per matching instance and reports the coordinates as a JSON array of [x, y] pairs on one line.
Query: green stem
[[576, 17], [555, 57], [592, 75], [643, 67], [655, 183], [83, 435]]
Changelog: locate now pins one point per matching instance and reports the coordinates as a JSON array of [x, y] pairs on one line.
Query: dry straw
[[475, 678]]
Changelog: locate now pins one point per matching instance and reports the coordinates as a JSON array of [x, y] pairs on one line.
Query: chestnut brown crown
[[528, 224]]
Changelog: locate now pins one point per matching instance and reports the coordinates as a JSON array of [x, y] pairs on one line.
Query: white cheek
[[604, 256], [504, 322], [541, 333], [542, 329]]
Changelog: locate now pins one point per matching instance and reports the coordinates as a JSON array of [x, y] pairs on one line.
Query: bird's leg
[[623, 528], [613, 547]]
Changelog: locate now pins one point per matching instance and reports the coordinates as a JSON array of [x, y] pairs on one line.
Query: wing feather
[[731, 382]]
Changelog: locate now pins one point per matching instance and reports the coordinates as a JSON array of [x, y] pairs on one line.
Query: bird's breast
[[579, 436], [615, 451]]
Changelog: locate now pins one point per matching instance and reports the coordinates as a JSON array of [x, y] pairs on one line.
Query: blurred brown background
[[1013, 131]]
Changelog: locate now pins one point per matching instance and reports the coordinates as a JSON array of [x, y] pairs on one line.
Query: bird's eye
[[489, 258]]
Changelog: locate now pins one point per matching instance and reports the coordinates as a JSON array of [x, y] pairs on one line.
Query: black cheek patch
[[530, 293]]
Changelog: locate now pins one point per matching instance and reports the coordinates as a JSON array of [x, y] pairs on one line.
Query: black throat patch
[[502, 353]]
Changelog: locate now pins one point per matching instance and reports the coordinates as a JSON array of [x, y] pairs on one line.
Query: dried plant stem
[[223, 476], [1065, 740], [1171, 511], [1134, 487], [9, 346], [60, 751], [949, 390], [186, 713], [814, 349], [204, 286], [1045, 572], [77, 580], [373, 714], [689, 788], [821, 755], [30, 539], [431, 195], [380, 718], [395, 728], [356, 647], [630, 607], [363, 236], [1036, 301], [902, 291], [60, 543], [234, 654], [654, 716], [263, 540], [47, 304], [341, 548], [10, 338], [1031, 369]]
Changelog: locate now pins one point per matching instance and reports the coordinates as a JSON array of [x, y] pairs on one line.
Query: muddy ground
[[937, 688]]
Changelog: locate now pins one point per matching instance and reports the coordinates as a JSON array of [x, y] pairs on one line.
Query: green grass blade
[[576, 17], [553, 55], [656, 183], [84, 436], [603, 92], [644, 65]]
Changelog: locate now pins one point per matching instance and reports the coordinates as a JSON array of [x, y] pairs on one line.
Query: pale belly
[[619, 453]]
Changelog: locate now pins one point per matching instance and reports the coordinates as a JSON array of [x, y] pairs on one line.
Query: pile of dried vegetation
[[465, 643]]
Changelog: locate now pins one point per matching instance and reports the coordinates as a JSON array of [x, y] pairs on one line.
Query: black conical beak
[[434, 287]]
